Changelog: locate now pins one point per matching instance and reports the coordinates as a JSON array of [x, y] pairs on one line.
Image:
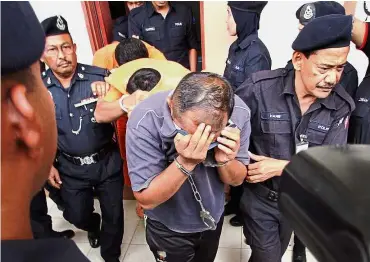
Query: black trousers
[[40, 220], [78, 198], [235, 196], [170, 246], [54, 194], [266, 230]]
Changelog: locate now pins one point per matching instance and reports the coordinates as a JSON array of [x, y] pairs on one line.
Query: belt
[[88, 159], [264, 192]]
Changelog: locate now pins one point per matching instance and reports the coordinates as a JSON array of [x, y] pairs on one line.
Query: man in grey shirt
[[182, 148]]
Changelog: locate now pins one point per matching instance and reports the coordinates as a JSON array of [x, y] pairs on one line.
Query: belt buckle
[[87, 160], [273, 196]]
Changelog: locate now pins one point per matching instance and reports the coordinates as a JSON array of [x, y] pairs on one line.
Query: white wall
[[73, 13]]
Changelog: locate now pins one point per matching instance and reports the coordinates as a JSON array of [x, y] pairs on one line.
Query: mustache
[[63, 61]]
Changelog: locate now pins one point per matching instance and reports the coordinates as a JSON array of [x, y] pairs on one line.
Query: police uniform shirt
[[78, 132], [173, 35], [248, 57], [120, 28], [41, 250], [276, 119], [359, 131]]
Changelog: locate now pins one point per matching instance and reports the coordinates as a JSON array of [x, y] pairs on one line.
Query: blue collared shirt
[[151, 149]]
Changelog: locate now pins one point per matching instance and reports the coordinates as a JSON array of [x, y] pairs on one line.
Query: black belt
[[264, 191], [88, 159]]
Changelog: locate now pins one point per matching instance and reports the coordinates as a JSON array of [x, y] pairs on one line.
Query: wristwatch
[[122, 105]]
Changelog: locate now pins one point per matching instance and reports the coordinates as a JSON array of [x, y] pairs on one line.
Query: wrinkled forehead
[[58, 39], [331, 56]]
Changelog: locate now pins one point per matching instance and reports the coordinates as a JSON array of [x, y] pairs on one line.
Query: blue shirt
[[151, 149], [248, 57], [174, 35], [78, 132]]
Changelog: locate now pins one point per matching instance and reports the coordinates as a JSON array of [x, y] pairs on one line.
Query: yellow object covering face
[[105, 58], [171, 75]]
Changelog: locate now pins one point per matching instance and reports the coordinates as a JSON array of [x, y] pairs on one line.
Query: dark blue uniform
[[120, 28], [248, 57], [277, 128], [87, 159], [173, 35], [359, 129]]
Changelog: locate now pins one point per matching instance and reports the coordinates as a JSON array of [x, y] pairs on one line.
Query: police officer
[[291, 110], [247, 55], [28, 138], [309, 12], [359, 128], [169, 27], [120, 26], [87, 158]]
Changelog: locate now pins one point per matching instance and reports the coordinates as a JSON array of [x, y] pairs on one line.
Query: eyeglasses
[[66, 49]]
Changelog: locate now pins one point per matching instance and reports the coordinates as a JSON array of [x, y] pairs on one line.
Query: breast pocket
[[151, 34], [362, 110], [276, 133], [316, 133], [177, 34]]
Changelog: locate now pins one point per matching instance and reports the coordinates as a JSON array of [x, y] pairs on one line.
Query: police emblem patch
[[308, 12], [80, 75], [48, 81], [60, 24]]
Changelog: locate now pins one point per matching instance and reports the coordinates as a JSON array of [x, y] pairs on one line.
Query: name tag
[[149, 29], [178, 24], [319, 127], [363, 99], [86, 101], [279, 116], [302, 146]]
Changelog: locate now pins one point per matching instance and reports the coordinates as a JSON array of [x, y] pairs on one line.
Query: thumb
[[256, 157]]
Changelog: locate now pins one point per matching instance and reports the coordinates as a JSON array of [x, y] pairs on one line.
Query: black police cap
[[328, 31], [307, 12], [248, 6], [22, 38], [55, 25]]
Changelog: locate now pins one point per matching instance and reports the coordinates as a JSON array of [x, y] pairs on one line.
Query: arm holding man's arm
[[152, 181]]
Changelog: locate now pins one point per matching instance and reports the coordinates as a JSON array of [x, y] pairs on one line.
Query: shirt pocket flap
[[316, 133], [275, 123], [177, 31]]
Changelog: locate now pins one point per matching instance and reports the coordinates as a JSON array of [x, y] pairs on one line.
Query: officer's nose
[[331, 78]]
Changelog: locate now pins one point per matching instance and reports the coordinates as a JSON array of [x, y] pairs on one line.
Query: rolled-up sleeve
[[145, 158]]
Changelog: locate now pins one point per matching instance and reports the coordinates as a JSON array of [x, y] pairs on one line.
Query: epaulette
[[93, 70], [268, 74], [349, 68]]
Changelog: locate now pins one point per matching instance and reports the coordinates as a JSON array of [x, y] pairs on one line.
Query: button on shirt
[[276, 119], [248, 57], [359, 130], [78, 132], [150, 147], [174, 35]]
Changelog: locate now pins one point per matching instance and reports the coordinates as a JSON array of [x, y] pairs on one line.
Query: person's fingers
[[254, 172], [107, 88], [231, 133], [99, 90], [254, 166], [203, 139], [256, 157], [209, 141], [181, 141], [227, 142], [225, 149], [196, 136], [93, 88]]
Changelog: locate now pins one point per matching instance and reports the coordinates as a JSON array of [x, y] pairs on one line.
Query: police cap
[[22, 39], [248, 6], [308, 12], [330, 31], [55, 25]]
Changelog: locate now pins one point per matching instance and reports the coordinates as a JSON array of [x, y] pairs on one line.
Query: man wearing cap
[[308, 12], [291, 110], [247, 55], [87, 159], [169, 27], [28, 138]]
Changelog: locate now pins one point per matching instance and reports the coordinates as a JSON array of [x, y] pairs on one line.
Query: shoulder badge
[[268, 74]]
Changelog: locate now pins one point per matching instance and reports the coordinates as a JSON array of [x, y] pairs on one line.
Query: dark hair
[[130, 49], [307, 54], [143, 79], [204, 90]]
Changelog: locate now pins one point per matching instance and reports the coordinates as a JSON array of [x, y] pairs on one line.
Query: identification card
[[302, 146]]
